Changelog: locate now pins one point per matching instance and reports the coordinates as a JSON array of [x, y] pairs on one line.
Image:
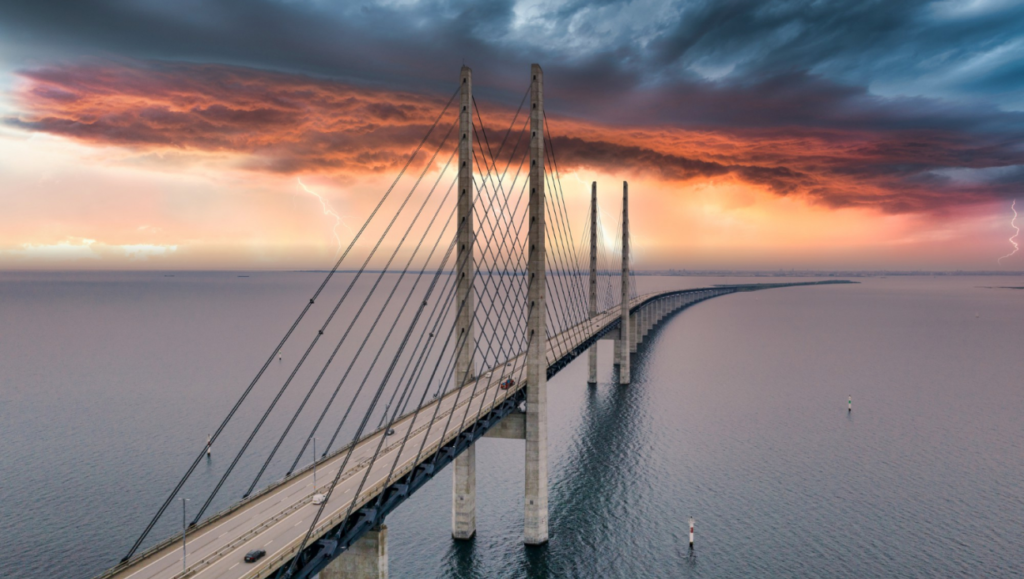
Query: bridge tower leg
[[535, 530], [625, 341], [634, 331], [592, 355], [464, 469], [367, 558]]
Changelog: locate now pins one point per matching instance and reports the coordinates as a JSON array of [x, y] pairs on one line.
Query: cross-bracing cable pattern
[[316, 337], [395, 384], [571, 294], [287, 335], [500, 336]]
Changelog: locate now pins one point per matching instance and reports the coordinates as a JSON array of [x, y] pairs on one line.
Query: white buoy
[[209, 445], [691, 532]]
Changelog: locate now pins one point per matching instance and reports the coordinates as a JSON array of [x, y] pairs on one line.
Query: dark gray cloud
[[596, 52], [927, 86]]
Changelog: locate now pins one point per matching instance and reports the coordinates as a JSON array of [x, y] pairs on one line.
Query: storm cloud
[[907, 106]]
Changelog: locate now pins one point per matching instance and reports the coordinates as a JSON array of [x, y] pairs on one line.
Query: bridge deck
[[277, 519]]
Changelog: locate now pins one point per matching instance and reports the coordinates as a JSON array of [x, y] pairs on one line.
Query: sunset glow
[[142, 163]]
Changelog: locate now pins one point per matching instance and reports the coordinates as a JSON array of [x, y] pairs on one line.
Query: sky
[[260, 134]]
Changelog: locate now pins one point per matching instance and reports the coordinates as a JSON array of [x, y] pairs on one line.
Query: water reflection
[[596, 484], [461, 560]]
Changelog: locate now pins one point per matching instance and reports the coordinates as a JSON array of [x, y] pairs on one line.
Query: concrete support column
[[592, 354], [535, 531], [625, 342], [464, 494], [634, 331], [366, 559], [464, 470]]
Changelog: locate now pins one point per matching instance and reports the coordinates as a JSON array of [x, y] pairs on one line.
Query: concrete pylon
[[625, 341], [464, 469], [634, 331], [367, 558], [592, 355], [535, 531]]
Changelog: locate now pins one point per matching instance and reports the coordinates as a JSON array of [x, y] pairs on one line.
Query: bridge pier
[[367, 558], [464, 467], [535, 528], [512, 427], [624, 345], [634, 331], [592, 354]]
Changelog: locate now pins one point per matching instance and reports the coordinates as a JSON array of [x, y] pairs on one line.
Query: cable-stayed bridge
[[461, 294]]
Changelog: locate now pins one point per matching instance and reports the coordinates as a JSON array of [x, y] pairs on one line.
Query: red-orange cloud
[[290, 123]]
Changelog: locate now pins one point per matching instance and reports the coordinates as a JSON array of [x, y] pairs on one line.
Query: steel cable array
[[410, 328]]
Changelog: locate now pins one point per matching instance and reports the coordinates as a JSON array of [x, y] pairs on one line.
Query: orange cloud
[[280, 123], [287, 123]]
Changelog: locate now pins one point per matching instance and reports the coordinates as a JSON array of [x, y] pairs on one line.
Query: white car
[[318, 499]]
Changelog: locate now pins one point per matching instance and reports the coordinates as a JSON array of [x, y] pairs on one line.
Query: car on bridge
[[254, 555], [507, 383]]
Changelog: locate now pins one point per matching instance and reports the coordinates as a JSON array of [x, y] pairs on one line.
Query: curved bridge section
[[421, 442]]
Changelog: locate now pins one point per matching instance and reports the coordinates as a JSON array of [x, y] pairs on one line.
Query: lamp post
[[184, 535], [314, 465]]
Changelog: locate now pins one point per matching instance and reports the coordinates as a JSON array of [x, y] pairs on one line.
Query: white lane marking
[[269, 542], [233, 566]]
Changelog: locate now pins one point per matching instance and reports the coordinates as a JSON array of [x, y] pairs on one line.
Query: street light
[[184, 534], [318, 499]]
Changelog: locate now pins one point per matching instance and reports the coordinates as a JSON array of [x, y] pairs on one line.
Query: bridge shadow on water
[[598, 482], [601, 486], [590, 474]]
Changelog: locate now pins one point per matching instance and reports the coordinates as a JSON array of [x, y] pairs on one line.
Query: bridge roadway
[[277, 518]]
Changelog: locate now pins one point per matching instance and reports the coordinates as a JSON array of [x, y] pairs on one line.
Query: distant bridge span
[[273, 519], [556, 320]]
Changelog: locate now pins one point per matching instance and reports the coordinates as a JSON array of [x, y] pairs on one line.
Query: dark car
[[254, 555]]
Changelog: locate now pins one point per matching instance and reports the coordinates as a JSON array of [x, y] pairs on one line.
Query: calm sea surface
[[736, 416]]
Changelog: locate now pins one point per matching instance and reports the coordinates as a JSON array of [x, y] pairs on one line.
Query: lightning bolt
[[327, 211], [1013, 238]]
